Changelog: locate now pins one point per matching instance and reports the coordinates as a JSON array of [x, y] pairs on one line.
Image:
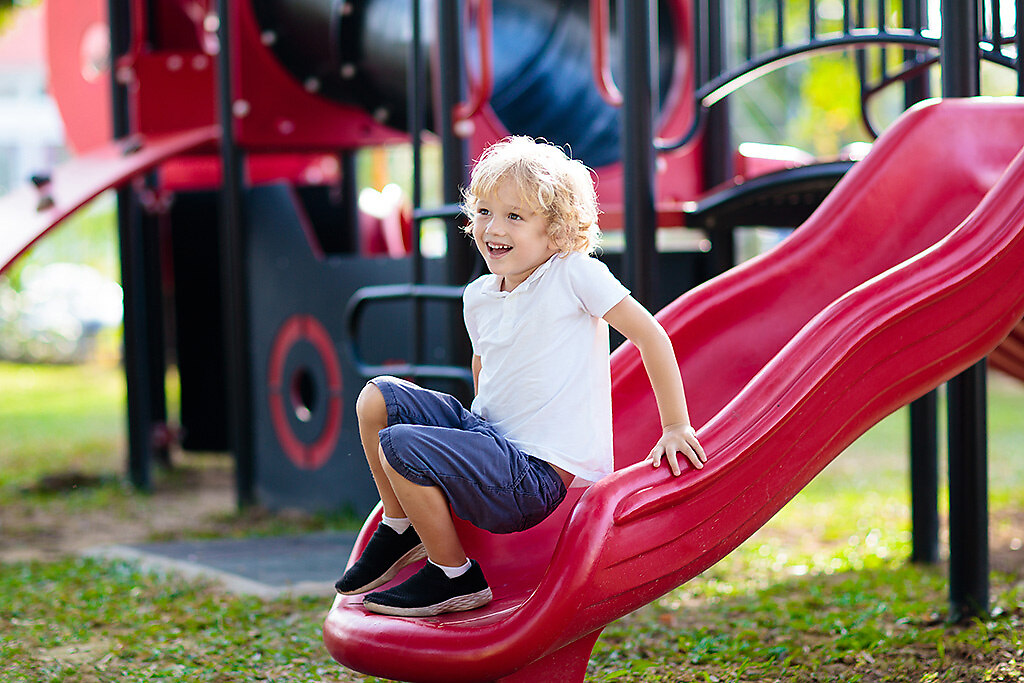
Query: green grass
[[822, 593], [58, 419], [82, 620]]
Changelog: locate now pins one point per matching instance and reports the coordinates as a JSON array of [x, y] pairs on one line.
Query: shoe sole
[[417, 553], [459, 603]]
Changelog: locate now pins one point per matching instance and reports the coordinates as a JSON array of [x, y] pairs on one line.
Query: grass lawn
[[59, 419], [822, 593]]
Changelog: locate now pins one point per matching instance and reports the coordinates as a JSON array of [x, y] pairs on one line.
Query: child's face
[[512, 238]]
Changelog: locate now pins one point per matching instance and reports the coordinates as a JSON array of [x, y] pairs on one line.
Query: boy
[[541, 418]]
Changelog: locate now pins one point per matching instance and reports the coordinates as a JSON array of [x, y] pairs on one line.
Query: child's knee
[[370, 405]]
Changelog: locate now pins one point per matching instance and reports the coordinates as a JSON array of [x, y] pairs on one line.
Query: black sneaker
[[386, 553], [429, 592]]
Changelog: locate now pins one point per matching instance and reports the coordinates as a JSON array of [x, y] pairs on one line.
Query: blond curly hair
[[547, 181]]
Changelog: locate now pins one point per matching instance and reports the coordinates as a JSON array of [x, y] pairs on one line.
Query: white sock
[[452, 572], [399, 524]]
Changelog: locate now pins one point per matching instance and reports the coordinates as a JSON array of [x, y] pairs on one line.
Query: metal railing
[[862, 25]]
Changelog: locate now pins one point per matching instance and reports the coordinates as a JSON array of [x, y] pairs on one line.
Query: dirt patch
[[67, 513]]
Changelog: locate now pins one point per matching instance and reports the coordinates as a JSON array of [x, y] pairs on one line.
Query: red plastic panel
[[78, 52], [876, 299], [172, 91]]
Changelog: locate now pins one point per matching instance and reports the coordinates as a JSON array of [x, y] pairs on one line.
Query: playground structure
[[232, 130]]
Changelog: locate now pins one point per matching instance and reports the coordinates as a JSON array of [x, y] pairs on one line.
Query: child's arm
[[476, 374], [635, 323]]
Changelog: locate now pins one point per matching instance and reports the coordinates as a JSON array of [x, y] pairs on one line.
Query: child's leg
[[390, 548], [372, 412], [425, 506], [427, 509]]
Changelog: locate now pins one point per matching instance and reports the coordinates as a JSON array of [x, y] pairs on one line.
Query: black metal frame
[[138, 242], [234, 279], [417, 293]]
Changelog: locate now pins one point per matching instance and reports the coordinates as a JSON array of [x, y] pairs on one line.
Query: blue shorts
[[432, 440]]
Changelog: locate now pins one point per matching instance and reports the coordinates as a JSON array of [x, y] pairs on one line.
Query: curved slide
[[29, 212], [910, 271]]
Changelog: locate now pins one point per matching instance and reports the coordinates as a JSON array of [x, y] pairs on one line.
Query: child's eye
[[482, 211], [514, 217]]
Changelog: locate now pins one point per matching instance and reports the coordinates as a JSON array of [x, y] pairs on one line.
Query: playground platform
[[306, 564]]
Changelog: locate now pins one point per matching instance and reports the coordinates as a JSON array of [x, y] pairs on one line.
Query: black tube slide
[[358, 52]]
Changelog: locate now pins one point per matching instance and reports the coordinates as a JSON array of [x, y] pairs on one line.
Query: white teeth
[[491, 245]]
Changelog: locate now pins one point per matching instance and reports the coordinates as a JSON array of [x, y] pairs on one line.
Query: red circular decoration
[[307, 456]]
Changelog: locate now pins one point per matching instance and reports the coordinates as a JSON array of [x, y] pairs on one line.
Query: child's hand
[[677, 438]]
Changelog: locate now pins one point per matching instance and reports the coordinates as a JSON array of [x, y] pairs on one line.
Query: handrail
[[908, 71], [366, 295], [599, 59], [442, 211], [480, 89], [730, 81]]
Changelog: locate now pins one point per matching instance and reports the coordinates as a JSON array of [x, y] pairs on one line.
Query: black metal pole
[[637, 125], [960, 59], [968, 495], [717, 161], [968, 486], [138, 381], [924, 479], [915, 89], [924, 423], [234, 280], [453, 148], [156, 347], [1020, 48], [461, 255], [416, 88]]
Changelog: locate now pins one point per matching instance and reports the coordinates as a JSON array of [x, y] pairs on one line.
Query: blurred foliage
[[814, 103], [89, 236], [7, 8]]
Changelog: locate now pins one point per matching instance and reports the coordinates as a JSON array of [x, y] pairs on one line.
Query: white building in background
[[31, 131]]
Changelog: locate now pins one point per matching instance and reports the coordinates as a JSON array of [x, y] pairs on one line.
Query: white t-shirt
[[545, 381]]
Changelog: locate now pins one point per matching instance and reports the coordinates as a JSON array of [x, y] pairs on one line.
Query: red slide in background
[[876, 299], [28, 213]]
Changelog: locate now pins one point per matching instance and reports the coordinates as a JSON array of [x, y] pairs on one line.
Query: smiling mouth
[[497, 249]]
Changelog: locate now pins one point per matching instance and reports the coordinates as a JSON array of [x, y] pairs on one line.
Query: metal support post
[[234, 280], [968, 495], [924, 428], [417, 122], [717, 162], [968, 487], [1020, 48], [130, 226], [638, 151], [462, 262], [924, 478]]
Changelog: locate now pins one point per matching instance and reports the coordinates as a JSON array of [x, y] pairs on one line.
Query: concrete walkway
[[268, 567]]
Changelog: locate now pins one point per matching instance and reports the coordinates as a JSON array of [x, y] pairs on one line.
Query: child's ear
[[554, 230]]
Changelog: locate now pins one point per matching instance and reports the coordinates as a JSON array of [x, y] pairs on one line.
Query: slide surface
[[910, 271], [26, 215]]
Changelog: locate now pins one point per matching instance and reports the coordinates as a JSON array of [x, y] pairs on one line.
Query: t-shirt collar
[[492, 286]]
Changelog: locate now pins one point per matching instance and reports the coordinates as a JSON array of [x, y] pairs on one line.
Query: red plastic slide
[[787, 359], [29, 212]]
